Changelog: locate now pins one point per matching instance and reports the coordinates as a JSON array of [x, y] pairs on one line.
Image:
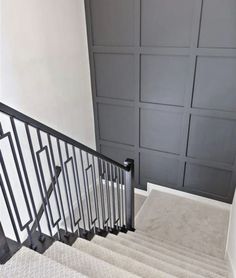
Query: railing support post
[[129, 193], [4, 248]]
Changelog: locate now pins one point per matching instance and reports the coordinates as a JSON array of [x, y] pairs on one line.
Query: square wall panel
[[112, 22], [163, 79], [161, 130], [215, 83], [116, 123], [207, 180], [115, 76], [166, 23], [117, 154], [158, 169], [212, 139], [218, 24]]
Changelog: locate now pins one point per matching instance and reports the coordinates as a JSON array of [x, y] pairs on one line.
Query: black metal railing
[[53, 187]]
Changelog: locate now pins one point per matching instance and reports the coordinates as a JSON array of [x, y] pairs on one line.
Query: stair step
[[163, 254], [181, 250], [119, 260], [27, 263], [163, 266], [84, 263]]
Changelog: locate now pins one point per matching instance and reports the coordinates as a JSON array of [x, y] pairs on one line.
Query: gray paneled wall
[[164, 90]]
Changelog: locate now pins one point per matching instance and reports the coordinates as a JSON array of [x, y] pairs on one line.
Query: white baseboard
[[151, 186], [232, 268], [141, 192]]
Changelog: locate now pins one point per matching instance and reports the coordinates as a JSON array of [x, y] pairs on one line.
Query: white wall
[[44, 72], [44, 64], [232, 237]]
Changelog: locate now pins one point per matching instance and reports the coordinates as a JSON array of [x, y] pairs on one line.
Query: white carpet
[[29, 264], [138, 202], [84, 263], [186, 222]]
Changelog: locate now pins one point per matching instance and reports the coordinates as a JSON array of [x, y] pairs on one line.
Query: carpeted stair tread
[[169, 257], [144, 258], [28, 264], [84, 263], [178, 253], [182, 250], [177, 246], [121, 261]]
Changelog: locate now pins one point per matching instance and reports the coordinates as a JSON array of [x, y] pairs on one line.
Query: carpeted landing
[[186, 222], [175, 237]]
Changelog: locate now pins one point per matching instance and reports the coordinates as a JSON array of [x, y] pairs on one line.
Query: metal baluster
[[88, 189], [67, 150], [122, 197], [87, 157], [54, 224], [21, 181], [49, 193], [9, 208], [57, 181], [113, 195], [101, 191], [76, 187], [96, 193], [64, 180], [108, 193], [25, 174], [79, 189], [1, 130], [70, 195], [105, 193], [37, 175], [118, 194], [85, 189], [32, 245], [22, 227]]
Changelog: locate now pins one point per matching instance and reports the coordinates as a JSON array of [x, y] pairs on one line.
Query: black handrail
[[22, 117]]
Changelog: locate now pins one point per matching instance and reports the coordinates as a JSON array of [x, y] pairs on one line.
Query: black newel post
[[129, 187]]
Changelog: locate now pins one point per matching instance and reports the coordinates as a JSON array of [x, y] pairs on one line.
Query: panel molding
[[193, 51], [191, 78], [110, 69], [179, 32], [211, 52], [207, 163], [218, 24], [103, 30]]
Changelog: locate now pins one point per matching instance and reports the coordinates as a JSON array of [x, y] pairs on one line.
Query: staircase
[[83, 223], [131, 254]]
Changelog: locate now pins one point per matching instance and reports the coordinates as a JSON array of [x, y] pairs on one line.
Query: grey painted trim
[[137, 36], [211, 52], [217, 113], [189, 93]]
